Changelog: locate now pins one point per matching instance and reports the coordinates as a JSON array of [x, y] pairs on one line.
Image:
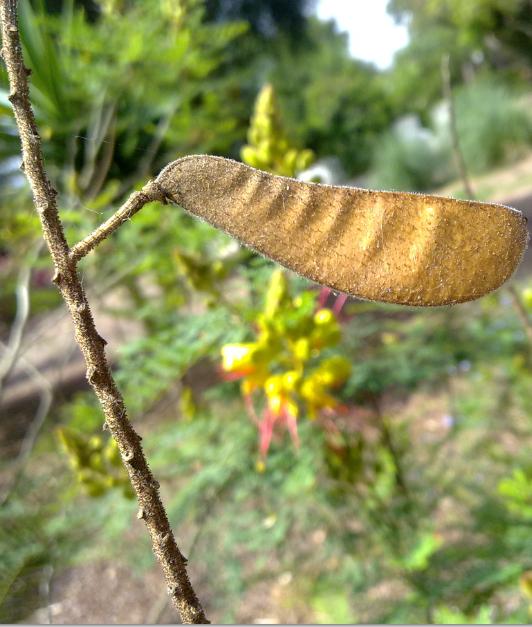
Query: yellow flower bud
[[525, 583], [292, 408], [275, 403], [527, 297], [273, 385], [290, 379], [277, 291], [237, 356], [95, 443], [388, 339], [324, 317], [301, 349]]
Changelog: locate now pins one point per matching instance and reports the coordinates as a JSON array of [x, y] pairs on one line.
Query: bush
[[411, 157], [492, 125]]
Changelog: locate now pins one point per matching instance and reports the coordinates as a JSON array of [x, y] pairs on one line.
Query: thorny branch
[[92, 345]]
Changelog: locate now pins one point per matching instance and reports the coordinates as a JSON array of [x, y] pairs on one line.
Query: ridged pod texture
[[394, 247]]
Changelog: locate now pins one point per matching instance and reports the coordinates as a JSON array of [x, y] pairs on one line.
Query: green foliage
[[481, 34], [161, 359], [410, 502], [410, 158], [517, 492], [333, 104], [449, 616], [493, 126]]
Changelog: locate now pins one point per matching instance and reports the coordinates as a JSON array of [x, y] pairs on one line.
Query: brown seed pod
[[395, 247]]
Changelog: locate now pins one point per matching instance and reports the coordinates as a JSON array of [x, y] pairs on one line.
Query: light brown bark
[[151, 508]]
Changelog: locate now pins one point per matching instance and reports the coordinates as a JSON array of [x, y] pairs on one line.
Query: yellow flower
[[238, 356], [333, 371], [290, 379], [323, 317], [301, 349], [525, 583], [268, 145]]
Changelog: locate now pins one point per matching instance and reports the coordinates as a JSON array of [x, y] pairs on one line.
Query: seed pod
[[395, 247]]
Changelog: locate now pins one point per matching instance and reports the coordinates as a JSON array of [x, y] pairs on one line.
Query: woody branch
[[92, 345]]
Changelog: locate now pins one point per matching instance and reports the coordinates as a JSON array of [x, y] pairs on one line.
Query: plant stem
[[90, 342], [521, 312], [457, 150], [133, 204], [388, 442]]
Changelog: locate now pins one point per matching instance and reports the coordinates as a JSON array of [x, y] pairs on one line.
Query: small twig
[[400, 479], [92, 345], [457, 150], [30, 438], [45, 590], [11, 351], [521, 311], [133, 204]]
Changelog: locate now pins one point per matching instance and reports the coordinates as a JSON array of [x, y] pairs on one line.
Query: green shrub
[[493, 128], [492, 125], [410, 157]]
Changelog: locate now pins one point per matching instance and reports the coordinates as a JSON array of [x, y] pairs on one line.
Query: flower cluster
[[96, 462], [285, 365], [268, 148]]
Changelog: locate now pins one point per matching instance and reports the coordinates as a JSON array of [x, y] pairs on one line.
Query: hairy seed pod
[[395, 247]]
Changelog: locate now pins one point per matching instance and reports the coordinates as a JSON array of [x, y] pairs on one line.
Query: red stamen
[[340, 301]]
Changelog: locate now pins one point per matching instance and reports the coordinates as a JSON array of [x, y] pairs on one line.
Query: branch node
[[92, 375], [41, 206], [163, 538], [128, 455], [141, 514], [155, 484], [57, 278], [172, 589], [102, 340]]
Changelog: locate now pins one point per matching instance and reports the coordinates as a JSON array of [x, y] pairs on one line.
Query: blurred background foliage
[[406, 492]]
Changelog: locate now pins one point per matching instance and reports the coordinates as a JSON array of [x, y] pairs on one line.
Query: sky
[[373, 34]]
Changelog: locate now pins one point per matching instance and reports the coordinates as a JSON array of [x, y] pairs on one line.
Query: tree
[[334, 104], [491, 34], [267, 18]]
